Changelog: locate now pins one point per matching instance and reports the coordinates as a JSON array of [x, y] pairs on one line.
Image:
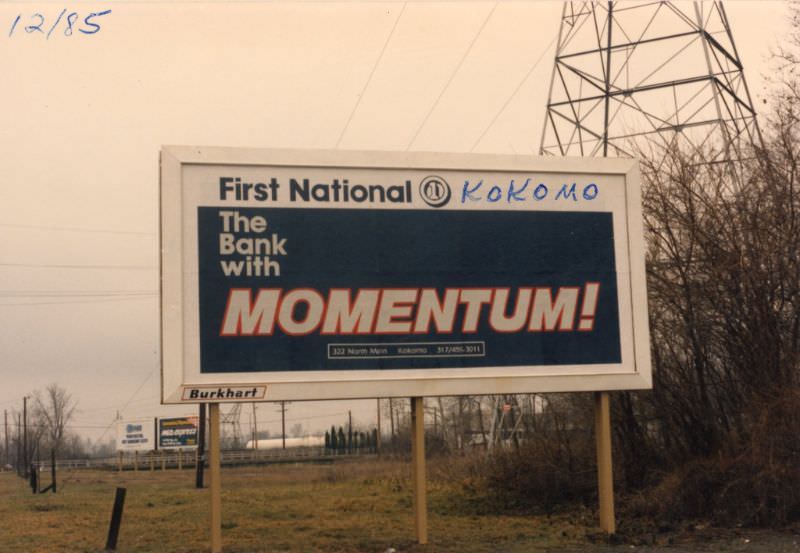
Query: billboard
[[137, 434], [327, 274], [177, 432]]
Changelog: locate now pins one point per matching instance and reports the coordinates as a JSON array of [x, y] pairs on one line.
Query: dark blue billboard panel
[[286, 289], [177, 432]]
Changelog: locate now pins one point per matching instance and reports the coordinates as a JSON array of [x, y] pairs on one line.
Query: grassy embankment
[[359, 506]]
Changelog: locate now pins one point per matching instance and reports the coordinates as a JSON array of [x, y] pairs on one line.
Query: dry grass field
[[349, 506]]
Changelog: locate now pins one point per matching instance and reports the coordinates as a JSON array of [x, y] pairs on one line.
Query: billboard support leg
[[418, 469], [215, 484], [605, 476], [200, 452]]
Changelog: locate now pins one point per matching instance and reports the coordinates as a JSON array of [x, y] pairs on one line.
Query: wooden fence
[[186, 459]]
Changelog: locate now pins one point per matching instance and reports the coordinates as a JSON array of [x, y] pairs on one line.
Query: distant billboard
[[136, 434], [177, 432], [319, 275]]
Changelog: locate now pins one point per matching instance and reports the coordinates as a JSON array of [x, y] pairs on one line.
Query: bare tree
[[54, 409]]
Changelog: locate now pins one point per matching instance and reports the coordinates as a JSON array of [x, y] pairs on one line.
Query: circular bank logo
[[435, 191]]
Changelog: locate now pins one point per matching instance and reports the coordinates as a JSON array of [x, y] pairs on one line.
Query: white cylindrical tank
[[277, 443]]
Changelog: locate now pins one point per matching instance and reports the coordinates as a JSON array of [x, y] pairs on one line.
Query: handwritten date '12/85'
[[66, 23]]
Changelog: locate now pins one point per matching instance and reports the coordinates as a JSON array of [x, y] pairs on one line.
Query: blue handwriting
[[522, 191], [66, 24]]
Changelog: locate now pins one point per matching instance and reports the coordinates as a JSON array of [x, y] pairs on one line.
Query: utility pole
[[283, 423], [378, 440], [391, 416], [349, 431], [5, 420], [25, 434], [19, 444], [255, 427]]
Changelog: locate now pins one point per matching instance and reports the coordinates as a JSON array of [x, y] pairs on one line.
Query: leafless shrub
[[551, 465]]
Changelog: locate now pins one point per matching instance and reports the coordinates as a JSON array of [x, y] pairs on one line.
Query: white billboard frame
[[180, 378]]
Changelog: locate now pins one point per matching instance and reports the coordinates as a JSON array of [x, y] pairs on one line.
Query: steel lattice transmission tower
[[651, 76], [231, 419]]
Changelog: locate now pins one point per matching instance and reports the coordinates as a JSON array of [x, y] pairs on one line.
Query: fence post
[[33, 475], [53, 469], [116, 520]]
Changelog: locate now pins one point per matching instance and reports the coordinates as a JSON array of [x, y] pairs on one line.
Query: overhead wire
[[300, 418], [73, 293], [452, 76], [44, 425], [371, 74], [78, 229], [130, 399], [115, 406], [513, 94], [72, 266], [76, 301]]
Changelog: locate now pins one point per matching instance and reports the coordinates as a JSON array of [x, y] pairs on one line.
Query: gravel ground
[[705, 540]]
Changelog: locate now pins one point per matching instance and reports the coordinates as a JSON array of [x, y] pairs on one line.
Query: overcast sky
[[85, 116]]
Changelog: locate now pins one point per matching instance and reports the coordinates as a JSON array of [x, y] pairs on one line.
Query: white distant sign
[[136, 435], [330, 274]]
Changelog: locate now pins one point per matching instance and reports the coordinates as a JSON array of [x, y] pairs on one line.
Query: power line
[[130, 399], [300, 418], [78, 229], [116, 407], [73, 426], [452, 75], [73, 293], [58, 266], [369, 78], [513, 94], [76, 301]]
